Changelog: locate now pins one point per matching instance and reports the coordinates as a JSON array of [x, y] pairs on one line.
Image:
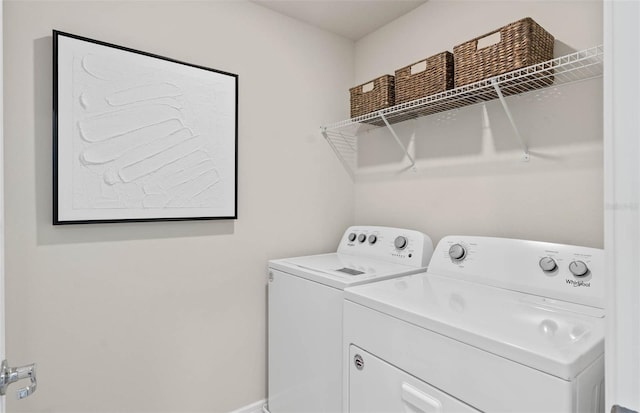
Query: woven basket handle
[[489, 39], [418, 67], [368, 87]]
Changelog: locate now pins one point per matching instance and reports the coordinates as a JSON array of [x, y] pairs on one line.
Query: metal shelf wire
[[575, 67]]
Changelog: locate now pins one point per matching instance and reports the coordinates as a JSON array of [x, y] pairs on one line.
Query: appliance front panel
[[377, 386], [305, 357], [481, 379]]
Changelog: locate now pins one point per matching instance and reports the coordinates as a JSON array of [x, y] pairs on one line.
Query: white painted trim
[[255, 407], [2, 256], [622, 202]]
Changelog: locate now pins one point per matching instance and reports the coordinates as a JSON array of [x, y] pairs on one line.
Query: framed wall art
[[140, 137]]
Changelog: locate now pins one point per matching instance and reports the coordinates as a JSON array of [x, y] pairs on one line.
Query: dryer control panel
[[557, 271], [397, 245]]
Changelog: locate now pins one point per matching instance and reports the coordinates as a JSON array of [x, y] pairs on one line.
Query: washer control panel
[[397, 245], [564, 272]]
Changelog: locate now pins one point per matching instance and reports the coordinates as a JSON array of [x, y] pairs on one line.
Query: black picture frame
[[139, 137]]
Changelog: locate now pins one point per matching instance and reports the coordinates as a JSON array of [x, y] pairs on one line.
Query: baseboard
[[252, 408]]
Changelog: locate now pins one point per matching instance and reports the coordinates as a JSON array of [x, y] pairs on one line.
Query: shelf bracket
[[495, 85], [395, 136], [350, 171]]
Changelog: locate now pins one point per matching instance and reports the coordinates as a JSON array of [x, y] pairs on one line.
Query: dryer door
[[377, 386]]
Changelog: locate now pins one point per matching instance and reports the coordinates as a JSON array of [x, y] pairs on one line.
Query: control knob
[[400, 242], [362, 238], [457, 252], [352, 237], [578, 268], [548, 264], [372, 239]]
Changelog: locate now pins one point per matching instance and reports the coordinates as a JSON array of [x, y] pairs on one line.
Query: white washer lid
[[553, 336], [342, 270]]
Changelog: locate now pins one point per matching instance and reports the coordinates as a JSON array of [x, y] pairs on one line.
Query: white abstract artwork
[[139, 137]]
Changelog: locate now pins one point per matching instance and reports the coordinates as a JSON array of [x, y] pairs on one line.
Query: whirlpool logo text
[[578, 283]]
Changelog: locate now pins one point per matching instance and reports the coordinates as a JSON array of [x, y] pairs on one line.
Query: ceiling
[[352, 19]]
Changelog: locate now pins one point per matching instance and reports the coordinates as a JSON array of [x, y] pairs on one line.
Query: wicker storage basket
[[371, 96], [522, 43], [434, 75]]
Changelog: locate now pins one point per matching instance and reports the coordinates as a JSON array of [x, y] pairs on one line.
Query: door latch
[[10, 375]]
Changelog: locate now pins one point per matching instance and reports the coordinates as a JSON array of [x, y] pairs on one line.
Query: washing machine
[[305, 302], [494, 325]]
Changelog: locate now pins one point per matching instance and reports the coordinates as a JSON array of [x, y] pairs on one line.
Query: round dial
[[352, 237], [400, 242], [457, 252], [372, 239], [362, 238], [548, 264], [578, 268]]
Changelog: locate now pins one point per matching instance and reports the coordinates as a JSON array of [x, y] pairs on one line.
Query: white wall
[[155, 317], [470, 179]]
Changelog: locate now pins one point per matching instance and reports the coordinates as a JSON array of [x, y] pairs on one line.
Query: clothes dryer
[[494, 325], [305, 301]]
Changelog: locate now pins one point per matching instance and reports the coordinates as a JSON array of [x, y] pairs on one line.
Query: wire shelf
[[579, 66]]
